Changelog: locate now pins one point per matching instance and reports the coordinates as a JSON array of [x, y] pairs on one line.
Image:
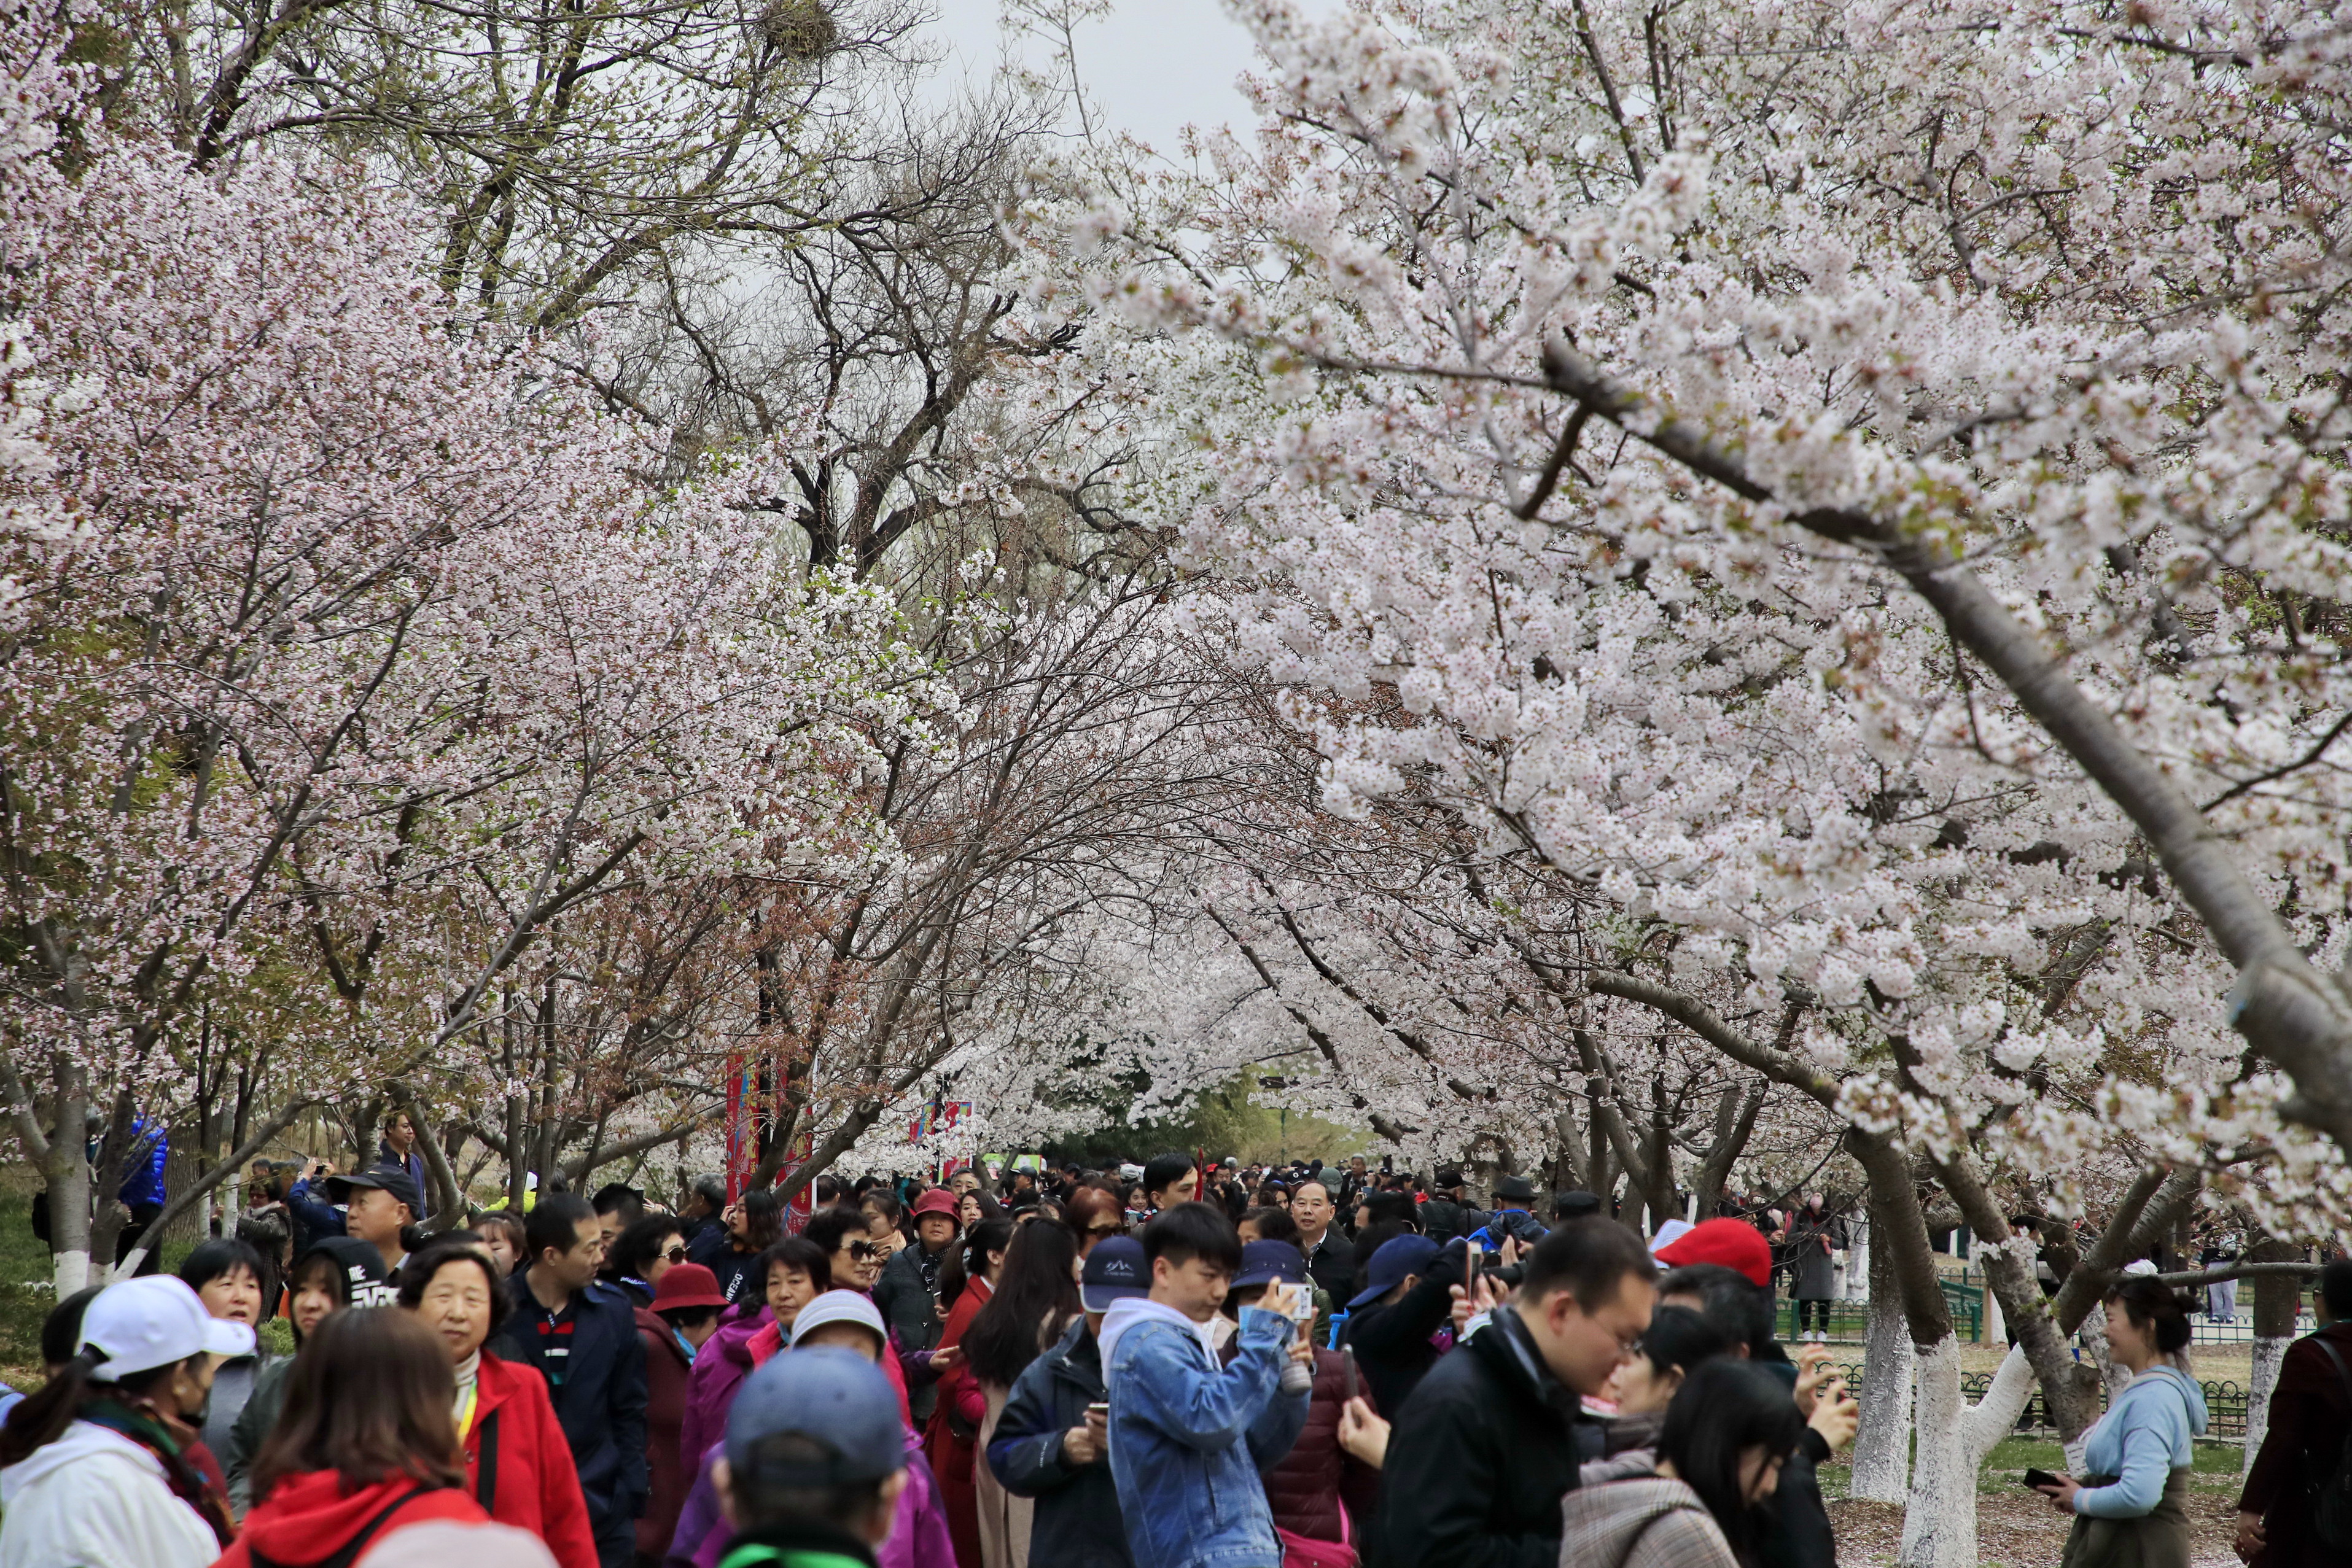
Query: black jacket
[[1800, 1534], [601, 1401], [1479, 1458], [1077, 1523], [907, 1297], [1392, 1345], [1332, 1264], [1442, 1219]]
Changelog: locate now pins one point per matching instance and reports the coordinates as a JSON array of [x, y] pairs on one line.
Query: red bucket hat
[[1734, 1243], [687, 1285], [938, 1200]]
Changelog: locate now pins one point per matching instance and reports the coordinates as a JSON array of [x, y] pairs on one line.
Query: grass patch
[[26, 1275], [2212, 1466]]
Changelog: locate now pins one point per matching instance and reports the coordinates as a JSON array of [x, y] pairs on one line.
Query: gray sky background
[[1152, 67]]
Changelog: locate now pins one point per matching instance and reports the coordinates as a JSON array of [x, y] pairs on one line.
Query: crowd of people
[[1164, 1366]]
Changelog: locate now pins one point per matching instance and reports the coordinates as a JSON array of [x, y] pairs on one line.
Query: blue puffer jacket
[[1188, 1438]]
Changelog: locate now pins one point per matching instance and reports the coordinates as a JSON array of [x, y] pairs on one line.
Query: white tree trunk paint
[[1994, 1417], [2268, 1352], [1996, 1326], [73, 1272], [1881, 1443], [1940, 1527]]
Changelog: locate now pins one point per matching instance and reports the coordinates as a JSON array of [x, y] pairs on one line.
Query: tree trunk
[[66, 1168], [1940, 1527], [1882, 1445], [2277, 1299]]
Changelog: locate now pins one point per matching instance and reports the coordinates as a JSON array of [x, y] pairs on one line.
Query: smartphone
[[1098, 1409], [1470, 1274], [2037, 1479], [1347, 1366]]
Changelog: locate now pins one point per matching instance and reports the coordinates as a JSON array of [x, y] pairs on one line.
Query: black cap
[[1519, 1189], [1575, 1205], [389, 1178]]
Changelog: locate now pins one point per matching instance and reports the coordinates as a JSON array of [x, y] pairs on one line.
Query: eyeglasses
[[676, 1254]]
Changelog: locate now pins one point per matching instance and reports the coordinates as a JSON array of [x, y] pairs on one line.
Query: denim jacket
[[1188, 1437]]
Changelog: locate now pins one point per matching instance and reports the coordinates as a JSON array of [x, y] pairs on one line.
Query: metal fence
[[2225, 1402]]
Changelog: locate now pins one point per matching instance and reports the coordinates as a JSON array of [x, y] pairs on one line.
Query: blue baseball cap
[[840, 1405], [1116, 1271], [1264, 1262], [1397, 1256]]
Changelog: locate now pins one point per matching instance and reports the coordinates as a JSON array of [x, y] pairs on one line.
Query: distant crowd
[[1161, 1365]]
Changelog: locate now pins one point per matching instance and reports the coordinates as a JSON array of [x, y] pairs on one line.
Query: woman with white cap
[[94, 1472]]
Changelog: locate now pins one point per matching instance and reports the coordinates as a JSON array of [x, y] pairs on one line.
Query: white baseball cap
[[142, 1324], [841, 1307]]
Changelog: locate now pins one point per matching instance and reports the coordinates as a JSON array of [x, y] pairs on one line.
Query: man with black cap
[[1051, 1442], [815, 1460], [376, 1206]]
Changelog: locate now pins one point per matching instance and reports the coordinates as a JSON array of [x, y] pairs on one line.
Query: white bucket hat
[[841, 1307], [142, 1324]]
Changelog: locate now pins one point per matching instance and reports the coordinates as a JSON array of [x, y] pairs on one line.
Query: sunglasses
[[1106, 1229], [676, 1254], [864, 1251]]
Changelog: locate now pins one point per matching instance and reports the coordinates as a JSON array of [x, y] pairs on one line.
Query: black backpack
[[2331, 1506]]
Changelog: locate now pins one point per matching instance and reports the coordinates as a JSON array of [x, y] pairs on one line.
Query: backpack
[[2331, 1506]]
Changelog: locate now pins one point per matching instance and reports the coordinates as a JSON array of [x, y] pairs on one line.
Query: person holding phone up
[[1187, 1438]]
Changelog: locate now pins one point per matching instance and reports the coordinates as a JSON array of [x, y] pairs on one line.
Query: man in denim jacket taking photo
[[1187, 1438]]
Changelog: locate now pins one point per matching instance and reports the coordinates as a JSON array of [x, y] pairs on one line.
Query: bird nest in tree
[[802, 28]]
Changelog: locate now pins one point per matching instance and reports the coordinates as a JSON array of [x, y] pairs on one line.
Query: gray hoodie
[[1647, 1523]]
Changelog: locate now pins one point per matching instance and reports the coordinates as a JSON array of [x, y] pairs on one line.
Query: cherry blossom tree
[[349, 659], [1854, 489]]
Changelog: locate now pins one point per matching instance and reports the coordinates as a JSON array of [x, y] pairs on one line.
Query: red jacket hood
[[310, 1517]]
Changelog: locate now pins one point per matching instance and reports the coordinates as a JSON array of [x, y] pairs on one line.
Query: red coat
[[951, 1456], [309, 1518], [1307, 1487], [666, 1372], [534, 1485]]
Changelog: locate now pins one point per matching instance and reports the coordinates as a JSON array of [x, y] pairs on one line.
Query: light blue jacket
[[2140, 1441], [1188, 1437]]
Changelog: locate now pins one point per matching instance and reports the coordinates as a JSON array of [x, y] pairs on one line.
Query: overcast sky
[[1152, 67]]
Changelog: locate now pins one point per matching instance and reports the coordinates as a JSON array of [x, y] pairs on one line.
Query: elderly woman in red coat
[[517, 1464]]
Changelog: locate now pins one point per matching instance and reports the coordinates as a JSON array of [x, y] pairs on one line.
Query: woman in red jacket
[[364, 1446], [952, 1439], [517, 1465]]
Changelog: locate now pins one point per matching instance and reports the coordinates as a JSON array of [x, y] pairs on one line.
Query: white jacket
[[94, 1499]]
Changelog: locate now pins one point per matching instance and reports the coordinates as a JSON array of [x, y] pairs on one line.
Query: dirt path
[[2019, 1532]]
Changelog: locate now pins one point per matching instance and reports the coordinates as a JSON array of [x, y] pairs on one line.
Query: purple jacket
[[918, 1530], [720, 1368]]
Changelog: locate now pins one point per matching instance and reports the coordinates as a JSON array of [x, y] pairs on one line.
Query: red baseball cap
[[1734, 1243], [687, 1285]]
